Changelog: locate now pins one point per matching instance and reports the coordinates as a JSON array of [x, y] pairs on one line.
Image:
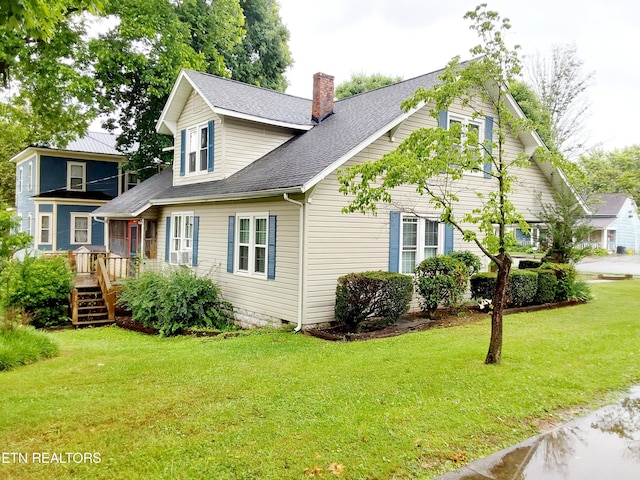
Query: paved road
[[620, 264], [604, 445]]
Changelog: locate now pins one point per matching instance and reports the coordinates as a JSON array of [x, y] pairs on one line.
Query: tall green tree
[[138, 60], [263, 55], [10, 240], [617, 171], [361, 82], [433, 159]]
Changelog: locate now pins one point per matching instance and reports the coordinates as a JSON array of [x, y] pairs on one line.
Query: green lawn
[[273, 405]]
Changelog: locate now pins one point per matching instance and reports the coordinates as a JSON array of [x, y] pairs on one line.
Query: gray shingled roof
[[607, 204], [250, 100], [134, 201], [292, 165]]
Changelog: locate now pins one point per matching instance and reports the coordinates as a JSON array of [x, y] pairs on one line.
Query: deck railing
[[114, 265], [108, 290]]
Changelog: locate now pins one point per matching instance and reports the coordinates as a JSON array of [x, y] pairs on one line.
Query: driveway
[[619, 264]]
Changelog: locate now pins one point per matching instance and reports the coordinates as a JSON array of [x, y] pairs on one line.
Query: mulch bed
[[416, 322]]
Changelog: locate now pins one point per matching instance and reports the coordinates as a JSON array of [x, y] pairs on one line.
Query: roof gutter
[[300, 258]]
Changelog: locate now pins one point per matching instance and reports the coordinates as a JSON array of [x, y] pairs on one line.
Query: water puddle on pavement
[[604, 445]]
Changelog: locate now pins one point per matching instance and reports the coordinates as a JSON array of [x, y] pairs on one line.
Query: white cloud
[[411, 37]]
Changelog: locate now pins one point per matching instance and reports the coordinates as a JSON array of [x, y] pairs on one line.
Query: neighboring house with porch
[[616, 223], [58, 188], [252, 198]]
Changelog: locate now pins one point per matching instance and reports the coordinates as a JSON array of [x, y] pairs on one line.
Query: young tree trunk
[[495, 346]]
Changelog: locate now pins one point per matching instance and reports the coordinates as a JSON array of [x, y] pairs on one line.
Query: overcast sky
[[408, 38]]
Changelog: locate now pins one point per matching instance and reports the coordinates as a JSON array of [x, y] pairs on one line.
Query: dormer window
[[197, 149], [76, 176]]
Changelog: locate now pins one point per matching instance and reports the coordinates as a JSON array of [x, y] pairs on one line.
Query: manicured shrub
[[483, 285], [470, 260], [522, 288], [175, 301], [566, 275], [440, 280], [40, 287], [527, 264], [547, 285], [372, 294]]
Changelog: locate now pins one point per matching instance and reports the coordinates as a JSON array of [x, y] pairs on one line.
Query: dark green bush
[[470, 260], [522, 288], [372, 294], [483, 285], [440, 280], [566, 276], [175, 301], [527, 264], [547, 285], [40, 287]]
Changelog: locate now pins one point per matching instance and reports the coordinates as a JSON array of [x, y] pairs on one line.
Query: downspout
[[300, 258]]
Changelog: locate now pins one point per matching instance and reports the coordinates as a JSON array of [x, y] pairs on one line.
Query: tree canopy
[[434, 159], [361, 82], [617, 171]]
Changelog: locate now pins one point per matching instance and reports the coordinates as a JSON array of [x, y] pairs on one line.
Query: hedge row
[[552, 282]]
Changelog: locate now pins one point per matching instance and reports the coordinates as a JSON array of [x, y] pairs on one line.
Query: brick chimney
[[322, 105]]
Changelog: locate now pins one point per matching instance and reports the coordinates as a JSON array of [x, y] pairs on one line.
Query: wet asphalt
[[604, 445], [614, 264]]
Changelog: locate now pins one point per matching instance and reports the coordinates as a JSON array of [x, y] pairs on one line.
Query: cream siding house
[[252, 197]]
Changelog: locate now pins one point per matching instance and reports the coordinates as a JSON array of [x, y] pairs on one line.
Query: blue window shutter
[[183, 149], [210, 151], [194, 247], [271, 242], [231, 242], [448, 239], [488, 136], [167, 240], [395, 222], [443, 119]]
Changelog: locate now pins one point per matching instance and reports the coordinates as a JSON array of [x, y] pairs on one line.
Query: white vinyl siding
[[275, 298]]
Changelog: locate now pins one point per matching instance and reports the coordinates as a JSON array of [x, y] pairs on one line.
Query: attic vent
[[322, 105]]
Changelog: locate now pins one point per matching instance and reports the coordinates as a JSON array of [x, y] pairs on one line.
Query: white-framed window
[[76, 176], [466, 126], [197, 149], [420, 238], [20, 179], [30, 176], [45, 229], [181, 238], [80, 228], [30, 223], [252, 232]]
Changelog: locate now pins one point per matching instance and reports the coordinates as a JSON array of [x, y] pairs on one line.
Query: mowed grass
[[279, 405]]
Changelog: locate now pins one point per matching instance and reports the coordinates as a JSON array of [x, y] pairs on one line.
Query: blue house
[[615, 222], [57, 189]]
